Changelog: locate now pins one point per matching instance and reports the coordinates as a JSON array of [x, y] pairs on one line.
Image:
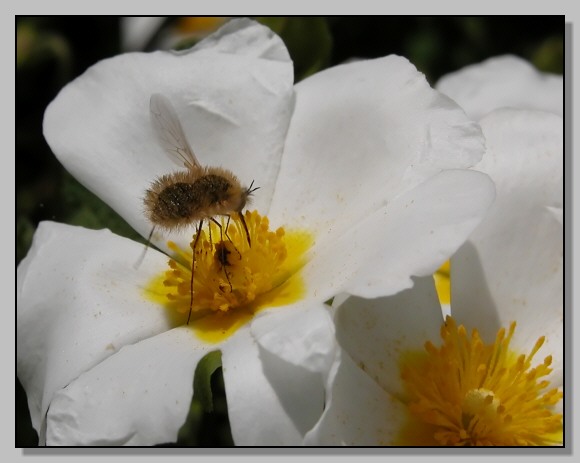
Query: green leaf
[[189, 431], [202, 379], [549, 55], [204, 419], [308, 40], [36, 45]]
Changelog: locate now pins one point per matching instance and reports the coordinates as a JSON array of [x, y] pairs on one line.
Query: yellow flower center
[[468, 393], [231, 279]]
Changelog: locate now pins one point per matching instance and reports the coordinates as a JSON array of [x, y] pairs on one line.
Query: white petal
[[233, 94], [358, 411], [503, 81], [259, 413], [139, 396], [375, 332], [79, 300], [361, 134], [301, 334], [296, 349], [412, 235], [511, 267]]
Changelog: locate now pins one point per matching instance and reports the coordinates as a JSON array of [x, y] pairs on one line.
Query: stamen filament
[[471, 393]]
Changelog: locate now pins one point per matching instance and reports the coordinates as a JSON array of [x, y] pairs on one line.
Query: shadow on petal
[[300, 391], [472, 303]]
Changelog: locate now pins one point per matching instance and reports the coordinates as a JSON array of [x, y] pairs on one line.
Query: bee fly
[[177, 200]]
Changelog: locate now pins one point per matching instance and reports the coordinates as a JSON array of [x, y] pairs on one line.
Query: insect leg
[[140, 261], [229, 239], [210, 239], [197, 234]]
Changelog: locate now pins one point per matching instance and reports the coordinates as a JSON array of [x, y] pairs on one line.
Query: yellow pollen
[[232, 280], [469, 393]]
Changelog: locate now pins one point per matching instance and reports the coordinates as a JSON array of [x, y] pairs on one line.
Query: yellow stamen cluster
[[232, 276], [468, 393]]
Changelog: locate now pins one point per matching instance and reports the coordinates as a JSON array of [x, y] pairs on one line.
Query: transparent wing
[[170, 133]]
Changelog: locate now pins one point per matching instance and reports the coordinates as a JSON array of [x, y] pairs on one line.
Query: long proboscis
[[243, 220]]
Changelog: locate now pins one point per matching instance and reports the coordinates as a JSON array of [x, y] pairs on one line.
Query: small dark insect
[[179, 199], [222, 254]]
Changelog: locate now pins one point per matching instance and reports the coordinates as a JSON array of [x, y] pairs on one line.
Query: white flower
[[503, 81], [498, 82], [388, 387], [366, 160]]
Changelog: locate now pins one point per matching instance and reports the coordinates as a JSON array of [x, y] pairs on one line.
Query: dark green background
[[52, 51]]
